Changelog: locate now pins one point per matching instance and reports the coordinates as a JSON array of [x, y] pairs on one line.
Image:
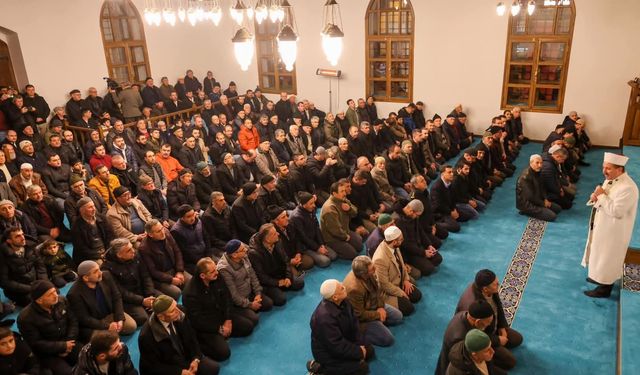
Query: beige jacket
[[120, 219], [390, 274]]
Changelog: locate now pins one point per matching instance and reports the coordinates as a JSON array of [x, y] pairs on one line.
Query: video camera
[[112, 84]]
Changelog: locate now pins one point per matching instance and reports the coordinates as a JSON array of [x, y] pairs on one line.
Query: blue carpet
[[565, 332], [486, 243], [633, 169], [629, 328]]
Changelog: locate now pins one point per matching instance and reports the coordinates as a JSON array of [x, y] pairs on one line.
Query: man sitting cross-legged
[[367, 298], [209, 307]]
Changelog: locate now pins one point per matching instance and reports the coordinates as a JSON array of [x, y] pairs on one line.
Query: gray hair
[[360, 266], [561, 151], [119, 244], [315, 118], [150, 224], [32, 188], [534, 157], [215, 195], [342, 140], [279, 131], [117, 157], [414, 179]]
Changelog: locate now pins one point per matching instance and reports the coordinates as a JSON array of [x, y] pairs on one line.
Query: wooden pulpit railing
[[82, 134], [631, 134]]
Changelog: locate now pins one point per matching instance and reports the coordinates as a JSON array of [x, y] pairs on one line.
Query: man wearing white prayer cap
[[393, 275], [615, 204], [334, 321]]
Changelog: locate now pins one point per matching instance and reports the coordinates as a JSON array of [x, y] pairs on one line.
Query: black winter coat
[[82, 240], [456, 331], [57, 180], [416, 239], [208, 307], [21, 362], [158, 355], [270, 266], [530, 193], [229, 184], [120, 366], [442, 200], [177, 195], [204, 186], [335, 340], [306, 227], [48, 333], [18, 272], [246, 218], [397, 173], [155, 203], [71, 204], [551, 177], [85, 306], [217, 227], [131, 277]]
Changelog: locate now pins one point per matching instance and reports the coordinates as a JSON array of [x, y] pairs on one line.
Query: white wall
[[459, 56]]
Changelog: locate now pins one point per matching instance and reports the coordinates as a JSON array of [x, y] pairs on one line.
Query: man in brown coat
[[26, 177], [367, 299], [392, 273]]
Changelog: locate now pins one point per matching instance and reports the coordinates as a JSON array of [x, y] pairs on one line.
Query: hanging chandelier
[[332, 34], [287, 37], [197, 11], [243, 47], [517, 6], [191, 11]]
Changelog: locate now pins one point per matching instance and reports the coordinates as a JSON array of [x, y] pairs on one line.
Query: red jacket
[[249, 139]]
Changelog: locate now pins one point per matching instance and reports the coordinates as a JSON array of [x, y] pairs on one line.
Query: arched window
[[537, 58], [389, 50], [125, 47], [273, 77]]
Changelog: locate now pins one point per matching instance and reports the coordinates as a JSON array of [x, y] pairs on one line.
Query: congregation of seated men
[[228, 208]]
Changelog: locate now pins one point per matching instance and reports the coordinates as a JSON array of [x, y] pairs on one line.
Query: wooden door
[[631, 135], [7, 76]]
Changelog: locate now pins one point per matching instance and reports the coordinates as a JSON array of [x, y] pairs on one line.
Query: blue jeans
[[466, 212], [376, 332], [401, 193], [321, 260]]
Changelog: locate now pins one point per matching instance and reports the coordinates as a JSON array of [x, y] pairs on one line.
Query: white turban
[[615, 159]]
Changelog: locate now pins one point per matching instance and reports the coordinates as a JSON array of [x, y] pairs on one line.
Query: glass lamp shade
[[332, 43], [216, 16], [169, 16], [261, 13], [157, 17], [501, 9], [182, 14], [273, 13], [531, 7], [243, 48], [147, 16], [237, 15], [288, 46], [192, 17], [515, 8]]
